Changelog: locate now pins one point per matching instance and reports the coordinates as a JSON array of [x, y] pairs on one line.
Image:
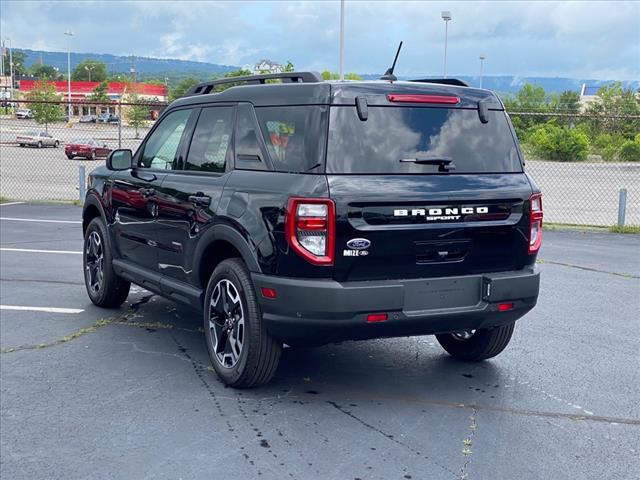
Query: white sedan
[[37, 139]]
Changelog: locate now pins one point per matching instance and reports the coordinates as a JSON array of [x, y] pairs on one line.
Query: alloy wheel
[[464, 335], [94, 262], [226, 323]]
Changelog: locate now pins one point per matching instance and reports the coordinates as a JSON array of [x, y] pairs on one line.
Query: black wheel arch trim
[[92, 200], [235, 238]]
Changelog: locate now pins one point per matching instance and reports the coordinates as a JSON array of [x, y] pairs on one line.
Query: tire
[[39, 144], [70, 157], [92, 156], [22, 145], [56, 144], [248, 355], [109, 291], [481, 345]]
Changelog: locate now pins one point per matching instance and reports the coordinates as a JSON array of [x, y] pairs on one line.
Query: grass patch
[[4, 200], [625, 229], [573, 226]]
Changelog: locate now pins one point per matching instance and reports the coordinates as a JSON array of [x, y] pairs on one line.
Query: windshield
[[415, 140]]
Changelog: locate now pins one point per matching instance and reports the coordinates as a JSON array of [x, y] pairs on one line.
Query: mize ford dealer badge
[[358, 247], [358, 243]]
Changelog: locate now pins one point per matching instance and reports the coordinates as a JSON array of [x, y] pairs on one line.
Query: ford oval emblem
[[358, 243]]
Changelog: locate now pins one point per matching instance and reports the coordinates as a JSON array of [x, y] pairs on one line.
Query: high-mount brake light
[[414, 98], [535, 223], [310, 226]]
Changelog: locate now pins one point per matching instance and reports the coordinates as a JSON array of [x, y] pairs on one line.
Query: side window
[[249, 155], [211, 140], [161, 147]]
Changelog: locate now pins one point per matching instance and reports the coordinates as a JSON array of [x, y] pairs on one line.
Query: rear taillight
[[535, 223], [311, 229]]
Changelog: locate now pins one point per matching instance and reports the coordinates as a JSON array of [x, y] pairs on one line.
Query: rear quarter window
[[391, 134], [295, 136]]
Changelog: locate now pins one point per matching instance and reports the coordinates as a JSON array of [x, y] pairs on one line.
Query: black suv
[[306, 212]]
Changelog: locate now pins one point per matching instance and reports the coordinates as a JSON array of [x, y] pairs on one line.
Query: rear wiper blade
[[444, 164]]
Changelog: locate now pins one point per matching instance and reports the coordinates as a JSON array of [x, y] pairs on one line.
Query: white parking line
[[29, 250], [10, 203], [38, 220], [41, 309]]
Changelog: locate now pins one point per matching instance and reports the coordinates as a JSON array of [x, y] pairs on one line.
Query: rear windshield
[[295, 136], [392, 137]]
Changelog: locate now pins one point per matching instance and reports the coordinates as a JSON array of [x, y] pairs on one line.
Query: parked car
[[89, 119], [108, 118], [37, 139], [312, 212], [87, 148], [24, 113]]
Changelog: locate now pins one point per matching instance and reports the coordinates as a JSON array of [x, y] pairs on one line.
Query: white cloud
[[585, 39]]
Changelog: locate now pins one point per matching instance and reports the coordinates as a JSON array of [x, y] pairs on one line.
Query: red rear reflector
[[312, 223], [377, 317], [269, 292], [505, 307], [446, 99]]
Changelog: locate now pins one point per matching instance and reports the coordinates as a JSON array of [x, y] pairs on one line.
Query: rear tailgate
[[425, 191], [421, 226]]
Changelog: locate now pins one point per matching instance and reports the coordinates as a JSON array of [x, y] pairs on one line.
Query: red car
[[87, 148]]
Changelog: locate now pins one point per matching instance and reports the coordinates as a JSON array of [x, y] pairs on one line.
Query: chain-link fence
[[42, 148], [583, 192]]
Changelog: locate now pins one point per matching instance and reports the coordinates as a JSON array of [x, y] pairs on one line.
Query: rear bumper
[[321, 311]]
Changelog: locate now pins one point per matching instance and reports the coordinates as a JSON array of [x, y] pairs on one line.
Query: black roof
[[306, 88]]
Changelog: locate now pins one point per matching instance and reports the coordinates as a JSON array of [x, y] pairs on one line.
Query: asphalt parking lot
[[127, 393]]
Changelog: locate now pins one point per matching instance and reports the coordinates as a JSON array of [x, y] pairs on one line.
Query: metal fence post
[[81, 183], [119, 124], [622, 206]]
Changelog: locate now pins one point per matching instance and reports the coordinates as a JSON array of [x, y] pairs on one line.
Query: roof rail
[[443, 81], [287, 77]]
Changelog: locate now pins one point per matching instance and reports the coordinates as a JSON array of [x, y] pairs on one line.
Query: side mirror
[[121, 159]]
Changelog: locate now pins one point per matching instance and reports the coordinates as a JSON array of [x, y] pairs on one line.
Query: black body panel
[[434, 249]]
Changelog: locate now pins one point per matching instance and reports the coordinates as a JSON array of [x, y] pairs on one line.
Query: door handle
[[200, 200], [147, 192]]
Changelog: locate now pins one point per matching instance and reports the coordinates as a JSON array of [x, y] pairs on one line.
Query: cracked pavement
[[128, 393]]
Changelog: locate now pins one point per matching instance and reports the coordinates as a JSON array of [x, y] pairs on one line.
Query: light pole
[[88, 69], [69, 34], [482, 57], [446, 16], [341, 40], [10, 69]]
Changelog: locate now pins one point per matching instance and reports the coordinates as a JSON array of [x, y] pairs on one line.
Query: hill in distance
[[177, 69]]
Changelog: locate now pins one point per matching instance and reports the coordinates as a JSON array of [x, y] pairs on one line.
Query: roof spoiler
[[286, 77], [444, 81]]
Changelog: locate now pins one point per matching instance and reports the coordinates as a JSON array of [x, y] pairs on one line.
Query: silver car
[[37, 139], [24, 113]]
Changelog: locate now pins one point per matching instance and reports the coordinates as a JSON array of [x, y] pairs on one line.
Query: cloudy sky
[[573, 39]]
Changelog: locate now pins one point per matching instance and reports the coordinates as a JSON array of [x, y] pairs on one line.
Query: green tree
[[46, 113], [567, 102], [561, 143], [136, 114], [99, 94], [182, 88], [630, 151], [90, 69], [613, 101], [236, 73], [289, 67], [327, 75], [19, 58], [44, 72]]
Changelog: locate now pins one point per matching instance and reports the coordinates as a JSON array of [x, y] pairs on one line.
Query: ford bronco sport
[[306, 212]]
